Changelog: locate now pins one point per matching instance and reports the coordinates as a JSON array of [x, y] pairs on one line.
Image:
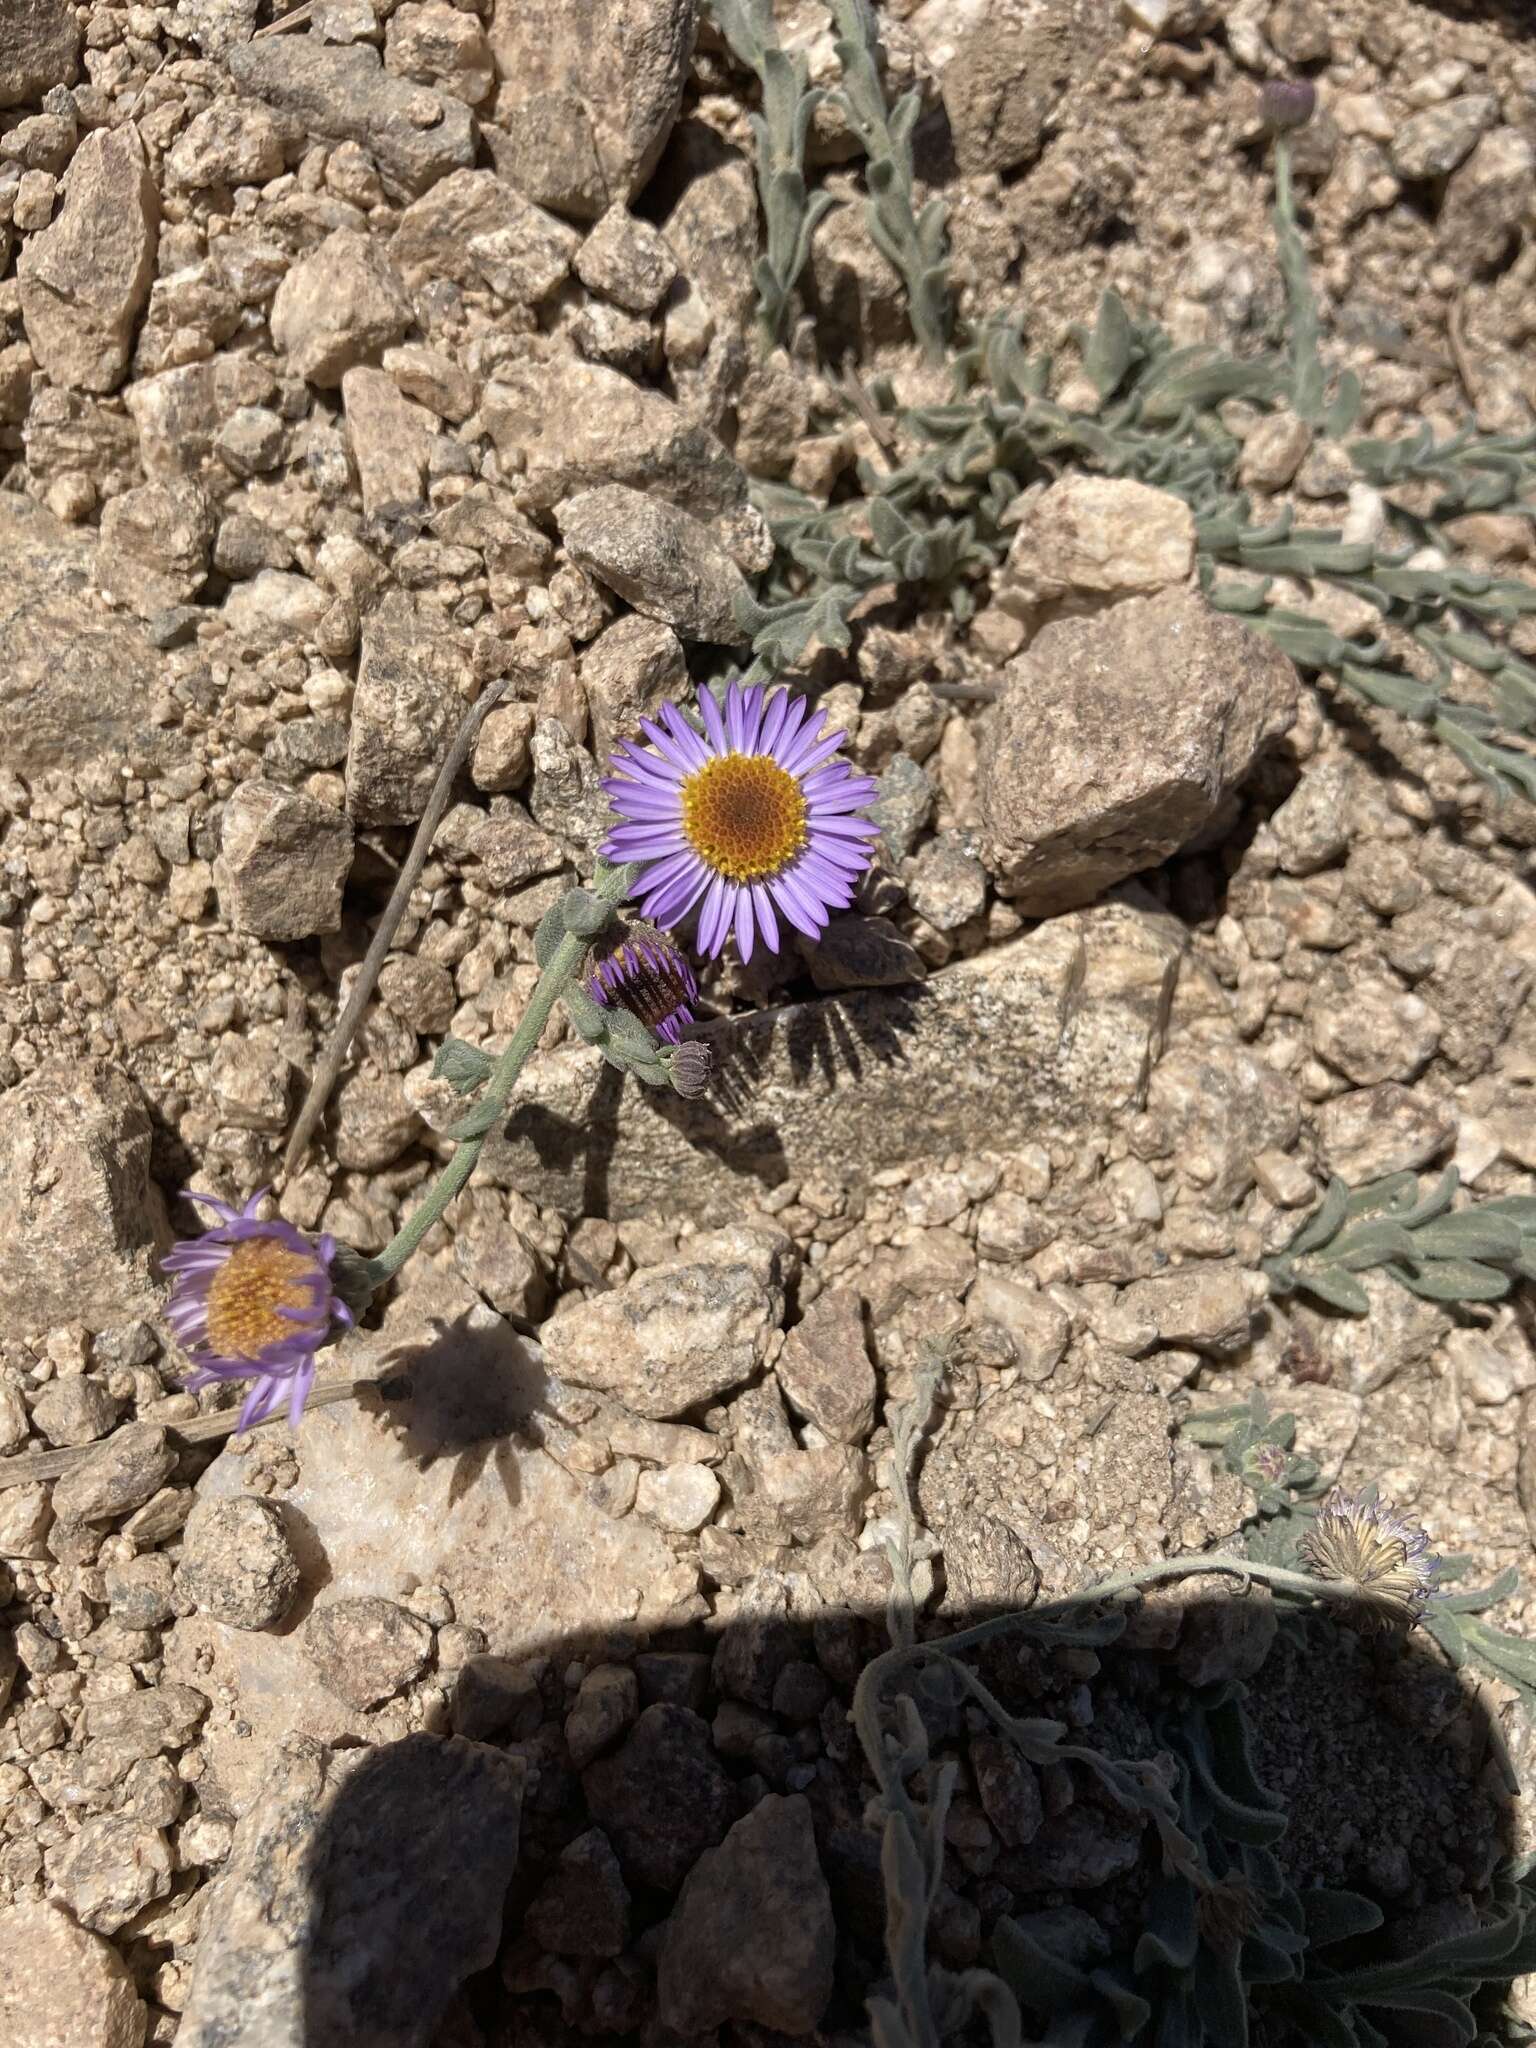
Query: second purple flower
[[752, 820]]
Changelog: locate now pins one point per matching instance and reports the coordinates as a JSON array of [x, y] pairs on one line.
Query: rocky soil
[[354, 360]]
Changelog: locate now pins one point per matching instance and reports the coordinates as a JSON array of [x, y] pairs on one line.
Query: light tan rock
[[1116, 739], [62, 1987], [625, 61], [155, 545], [390, 438], [414, 684], [1109, 535], [569, 425], [75, 683], [443, 1485], [38, 50], [678, 1334], [475, 229], [341, 306], [657, 557], [84, 279], [83, 1221], [283, 862]]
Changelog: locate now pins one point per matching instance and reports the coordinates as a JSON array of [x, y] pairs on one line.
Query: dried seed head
[[1366, 1545], [1227, 1911]]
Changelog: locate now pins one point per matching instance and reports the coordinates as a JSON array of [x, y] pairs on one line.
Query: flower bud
[[692, 1067], [1286, 103]]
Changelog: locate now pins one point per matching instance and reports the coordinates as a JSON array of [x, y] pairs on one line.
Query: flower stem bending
[[558, 975]]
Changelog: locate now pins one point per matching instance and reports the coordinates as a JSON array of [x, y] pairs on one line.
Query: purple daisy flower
[[253, 1300], [641, 969], [751, 820]]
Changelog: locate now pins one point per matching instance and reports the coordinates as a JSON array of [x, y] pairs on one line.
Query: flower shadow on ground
[[823, 1044], [695, 1847], [469, 1395]]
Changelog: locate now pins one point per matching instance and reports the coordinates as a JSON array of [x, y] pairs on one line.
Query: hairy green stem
[[560, 971], [1306, 363]]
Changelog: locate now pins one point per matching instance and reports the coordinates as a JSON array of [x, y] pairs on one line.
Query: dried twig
[[30, 1466], [1456, 332], [335, 1053], [881, 429], [294, 18]]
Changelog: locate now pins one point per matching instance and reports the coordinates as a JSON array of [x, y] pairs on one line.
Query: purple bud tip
[[1286, 103]]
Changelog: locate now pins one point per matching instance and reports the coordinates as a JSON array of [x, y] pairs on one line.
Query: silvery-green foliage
[[938, 520], [1415, 1237], [1257, 1448], [1286, 1506], [790, 213], [1455, 1620], [911, 241]]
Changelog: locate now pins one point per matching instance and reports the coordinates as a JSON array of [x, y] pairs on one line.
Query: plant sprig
[[1415, 1237], [913, 242], [790, 212]]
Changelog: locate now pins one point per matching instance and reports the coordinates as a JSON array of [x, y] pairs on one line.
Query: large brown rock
[[342, 305], [75, 683], [1004, 84], [624, 62], [79, 1215], [85, 278], [363, 1888], [475, 229], [413, 134], [1116, 739], [414, 685], [1049, 1035], [567, 424], [283, 862], [155, 545], [39, 42], [660, 559], [677, 1334], [752, 1937]]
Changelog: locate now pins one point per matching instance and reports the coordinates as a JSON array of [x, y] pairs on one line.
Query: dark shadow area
[[698, 1852], [825, 1043], [829, 1040], [1516, 17]]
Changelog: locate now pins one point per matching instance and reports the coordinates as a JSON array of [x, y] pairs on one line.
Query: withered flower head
[[1368, 1546]]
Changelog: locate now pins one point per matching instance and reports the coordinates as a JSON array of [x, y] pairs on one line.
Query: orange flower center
[[744, 816], [259, 1277]]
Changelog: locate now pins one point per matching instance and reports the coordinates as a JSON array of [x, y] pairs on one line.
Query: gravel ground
[[351, 368]]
